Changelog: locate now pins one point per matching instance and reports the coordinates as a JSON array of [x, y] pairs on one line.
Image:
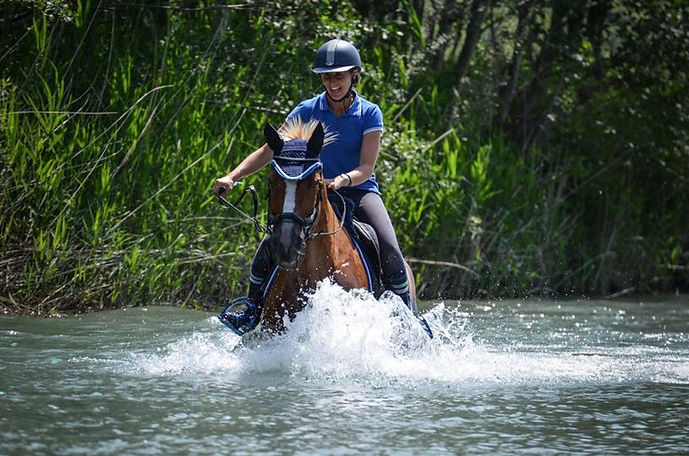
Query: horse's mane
[[296, 128]]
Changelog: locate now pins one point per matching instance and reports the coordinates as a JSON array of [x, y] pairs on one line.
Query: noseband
[[305, 223]]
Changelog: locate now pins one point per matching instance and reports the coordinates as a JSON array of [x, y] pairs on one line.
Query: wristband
[[349, 179]]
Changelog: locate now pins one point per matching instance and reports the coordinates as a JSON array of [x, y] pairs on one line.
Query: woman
[[348, 161]]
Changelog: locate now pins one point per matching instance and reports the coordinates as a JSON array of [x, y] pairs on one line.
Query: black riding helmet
[[336, 56]]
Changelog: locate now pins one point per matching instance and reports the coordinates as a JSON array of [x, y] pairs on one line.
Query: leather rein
[[306, 223]]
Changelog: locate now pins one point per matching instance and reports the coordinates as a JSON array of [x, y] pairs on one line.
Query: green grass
[[114, 125]]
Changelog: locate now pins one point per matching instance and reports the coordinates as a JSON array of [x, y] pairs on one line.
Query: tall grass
[[115, 121], [106, 189]]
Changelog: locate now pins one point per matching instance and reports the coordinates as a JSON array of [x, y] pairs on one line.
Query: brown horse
[[307, 240]]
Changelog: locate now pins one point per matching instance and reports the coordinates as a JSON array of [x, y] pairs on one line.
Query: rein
[[254, 196], [306, 223], [342, 219]]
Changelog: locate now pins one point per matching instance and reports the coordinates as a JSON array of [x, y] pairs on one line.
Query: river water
[[353, 376]]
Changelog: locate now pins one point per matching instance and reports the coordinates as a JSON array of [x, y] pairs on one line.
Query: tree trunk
[[473, 33]]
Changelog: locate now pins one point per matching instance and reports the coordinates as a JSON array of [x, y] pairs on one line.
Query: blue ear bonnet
[[295, 162]]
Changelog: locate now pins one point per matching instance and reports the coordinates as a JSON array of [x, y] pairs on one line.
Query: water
[[353, 376]]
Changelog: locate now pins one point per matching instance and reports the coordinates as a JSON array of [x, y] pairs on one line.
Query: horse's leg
[[282, 300], [412, 285]]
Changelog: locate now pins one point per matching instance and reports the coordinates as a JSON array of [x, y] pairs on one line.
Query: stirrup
[[240, 315], [424, 324]]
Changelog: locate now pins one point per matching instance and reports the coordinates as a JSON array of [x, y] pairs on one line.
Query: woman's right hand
[[223, 184]]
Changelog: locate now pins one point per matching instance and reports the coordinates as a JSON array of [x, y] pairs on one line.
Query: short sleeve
[[373, 119]]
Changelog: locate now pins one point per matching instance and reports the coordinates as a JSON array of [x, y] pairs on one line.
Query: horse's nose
[[286, 244]]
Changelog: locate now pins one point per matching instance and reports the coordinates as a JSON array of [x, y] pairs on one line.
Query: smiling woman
[[347, 166], [529, 172]]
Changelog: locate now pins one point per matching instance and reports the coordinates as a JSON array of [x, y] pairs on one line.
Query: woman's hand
[[343, 180], [223, 184]]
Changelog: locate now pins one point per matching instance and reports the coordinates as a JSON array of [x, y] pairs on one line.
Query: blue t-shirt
[[343, 154]]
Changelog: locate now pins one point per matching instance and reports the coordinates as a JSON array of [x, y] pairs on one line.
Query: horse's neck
[[327, 220], [322, 252]]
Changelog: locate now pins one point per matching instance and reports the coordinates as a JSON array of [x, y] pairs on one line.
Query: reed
[[105, 198], [114, 122]]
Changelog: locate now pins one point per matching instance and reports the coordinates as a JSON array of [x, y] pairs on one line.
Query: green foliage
[[548, 156]]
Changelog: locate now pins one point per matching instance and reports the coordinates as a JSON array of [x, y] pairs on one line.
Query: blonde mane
[[296, 128]]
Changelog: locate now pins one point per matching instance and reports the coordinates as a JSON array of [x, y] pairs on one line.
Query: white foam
[[351, 337]]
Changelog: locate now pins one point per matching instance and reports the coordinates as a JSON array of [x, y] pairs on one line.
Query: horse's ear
[[316, 141], [273, 138]]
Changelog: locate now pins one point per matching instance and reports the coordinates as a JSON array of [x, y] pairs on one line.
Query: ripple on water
[[351, 375]]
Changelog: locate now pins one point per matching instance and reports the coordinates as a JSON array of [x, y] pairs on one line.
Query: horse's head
[[295, 189]]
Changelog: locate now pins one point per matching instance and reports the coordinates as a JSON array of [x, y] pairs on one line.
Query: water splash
[[351, 337]]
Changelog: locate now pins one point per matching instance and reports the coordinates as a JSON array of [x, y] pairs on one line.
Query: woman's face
[[337, 84]]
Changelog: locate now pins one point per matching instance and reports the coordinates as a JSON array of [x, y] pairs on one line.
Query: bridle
[[292, 164], [305, 223]]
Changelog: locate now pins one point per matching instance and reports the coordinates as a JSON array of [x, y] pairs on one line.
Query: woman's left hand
[[337, 183]]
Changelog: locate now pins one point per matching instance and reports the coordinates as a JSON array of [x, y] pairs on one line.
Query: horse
[[307, 239]]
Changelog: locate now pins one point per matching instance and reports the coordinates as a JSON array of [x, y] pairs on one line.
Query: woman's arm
[[370, 148], [252, 163]]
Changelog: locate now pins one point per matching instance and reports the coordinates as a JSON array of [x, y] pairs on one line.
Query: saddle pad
[[364, 238]]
